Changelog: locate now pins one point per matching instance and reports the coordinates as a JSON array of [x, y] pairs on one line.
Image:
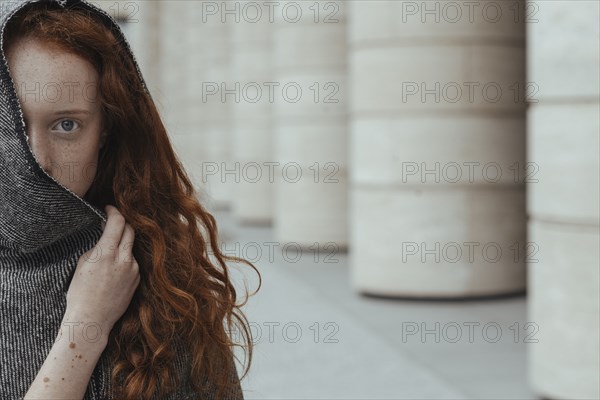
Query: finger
[[126, 244], [136, 283], [111, 237], [136, 268]]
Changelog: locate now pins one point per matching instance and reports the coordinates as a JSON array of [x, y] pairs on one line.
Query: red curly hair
[[182, 295]]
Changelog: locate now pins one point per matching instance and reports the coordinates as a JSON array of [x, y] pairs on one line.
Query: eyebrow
[[71, 112]]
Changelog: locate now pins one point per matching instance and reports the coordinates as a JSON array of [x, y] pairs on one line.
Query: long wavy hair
[[184, 298]]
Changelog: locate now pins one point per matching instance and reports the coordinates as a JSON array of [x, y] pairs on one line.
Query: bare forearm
[[68, 367]]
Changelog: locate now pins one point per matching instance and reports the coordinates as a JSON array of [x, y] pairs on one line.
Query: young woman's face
[[62, 110]]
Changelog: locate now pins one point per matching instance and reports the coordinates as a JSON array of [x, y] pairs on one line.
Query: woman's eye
[[67, 125]]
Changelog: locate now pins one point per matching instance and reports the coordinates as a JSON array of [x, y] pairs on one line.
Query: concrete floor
[[318, 339]]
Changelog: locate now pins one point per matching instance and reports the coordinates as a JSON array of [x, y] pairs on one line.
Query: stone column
[[194, 143], [218, 170], [252, 139], [172, 27], [310, 124], [563, 143], [145, 39], [437, 148], [194, 65], [178, 95]]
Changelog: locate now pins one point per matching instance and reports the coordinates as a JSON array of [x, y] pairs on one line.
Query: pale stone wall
[[563, 200]]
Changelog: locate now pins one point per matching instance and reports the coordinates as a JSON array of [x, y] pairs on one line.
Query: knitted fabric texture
[[44, 230]]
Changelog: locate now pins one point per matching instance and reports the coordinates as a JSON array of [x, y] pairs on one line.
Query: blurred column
[[145, 38], [252, 141], [218, 93], [437, 148], [162, 34], [563, 200], [172, 28], [194, 66], [194, 144], [310, 124], [179, 96]]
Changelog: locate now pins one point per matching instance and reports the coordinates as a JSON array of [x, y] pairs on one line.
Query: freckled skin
[[47, 80]]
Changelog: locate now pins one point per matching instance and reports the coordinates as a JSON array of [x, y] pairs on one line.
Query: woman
[[107, 290]]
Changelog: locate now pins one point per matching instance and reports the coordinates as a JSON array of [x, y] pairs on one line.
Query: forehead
[[47, 74]]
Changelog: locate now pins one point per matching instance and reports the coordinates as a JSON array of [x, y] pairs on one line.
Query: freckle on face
[[70, 155]]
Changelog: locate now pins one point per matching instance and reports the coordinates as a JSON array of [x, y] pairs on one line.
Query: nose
[[39, 147]]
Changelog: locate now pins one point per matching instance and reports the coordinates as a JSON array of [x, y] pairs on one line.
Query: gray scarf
[[44, 230]]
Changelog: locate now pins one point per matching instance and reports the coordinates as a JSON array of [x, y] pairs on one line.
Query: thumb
[[92, 255]]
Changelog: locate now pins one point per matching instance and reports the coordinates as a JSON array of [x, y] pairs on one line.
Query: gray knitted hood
[[44, 230], [35, 210]]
